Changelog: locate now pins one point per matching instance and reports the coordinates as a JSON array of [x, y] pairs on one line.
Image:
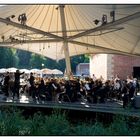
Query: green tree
[[36, 61], [8, 58], [61, 65], [24, 58], [86, 60], [75, 60], [53, 64]]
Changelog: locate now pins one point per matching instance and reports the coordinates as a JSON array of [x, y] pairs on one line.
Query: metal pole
[[65, 43]]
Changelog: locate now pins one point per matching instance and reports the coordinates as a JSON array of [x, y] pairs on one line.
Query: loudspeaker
[[137, 101]]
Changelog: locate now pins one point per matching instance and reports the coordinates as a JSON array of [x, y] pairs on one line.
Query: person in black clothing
[[6, 84], [96, 90], [78, 88], [131, 90], [17, 83], [31, 89], [103, 92], [31, 79], [68, 89], [51, 90], [22, 18], [125, 94], [41, 90]]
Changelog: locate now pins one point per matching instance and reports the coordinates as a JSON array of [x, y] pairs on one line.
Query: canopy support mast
[[65, 43]]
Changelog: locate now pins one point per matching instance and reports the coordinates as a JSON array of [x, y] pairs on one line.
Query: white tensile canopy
[[46, 71], [49, 71], [35, 71], [56, 71], [51, 30], [3, 70], [25, 70], [12, 69]]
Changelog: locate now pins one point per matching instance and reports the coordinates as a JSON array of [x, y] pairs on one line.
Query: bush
[[119, 127], [13, 123], [90, 130], [137, 128], [55, 124]]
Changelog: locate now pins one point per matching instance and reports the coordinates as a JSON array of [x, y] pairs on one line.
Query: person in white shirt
[[94, 77]]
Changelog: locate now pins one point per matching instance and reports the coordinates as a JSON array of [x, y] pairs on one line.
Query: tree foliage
[[8, 58], [23, 59], [36, 61], [13, 122]]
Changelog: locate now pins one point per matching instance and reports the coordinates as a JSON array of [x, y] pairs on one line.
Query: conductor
[[17, 83]]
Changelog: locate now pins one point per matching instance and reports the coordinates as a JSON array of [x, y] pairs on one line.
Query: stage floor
[[110, 106]]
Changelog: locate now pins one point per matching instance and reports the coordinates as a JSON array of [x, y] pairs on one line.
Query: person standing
[[32, 88], [17, 83], [94, 77], [6, 84]]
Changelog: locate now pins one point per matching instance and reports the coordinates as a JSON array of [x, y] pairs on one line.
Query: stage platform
[[111, 107]]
